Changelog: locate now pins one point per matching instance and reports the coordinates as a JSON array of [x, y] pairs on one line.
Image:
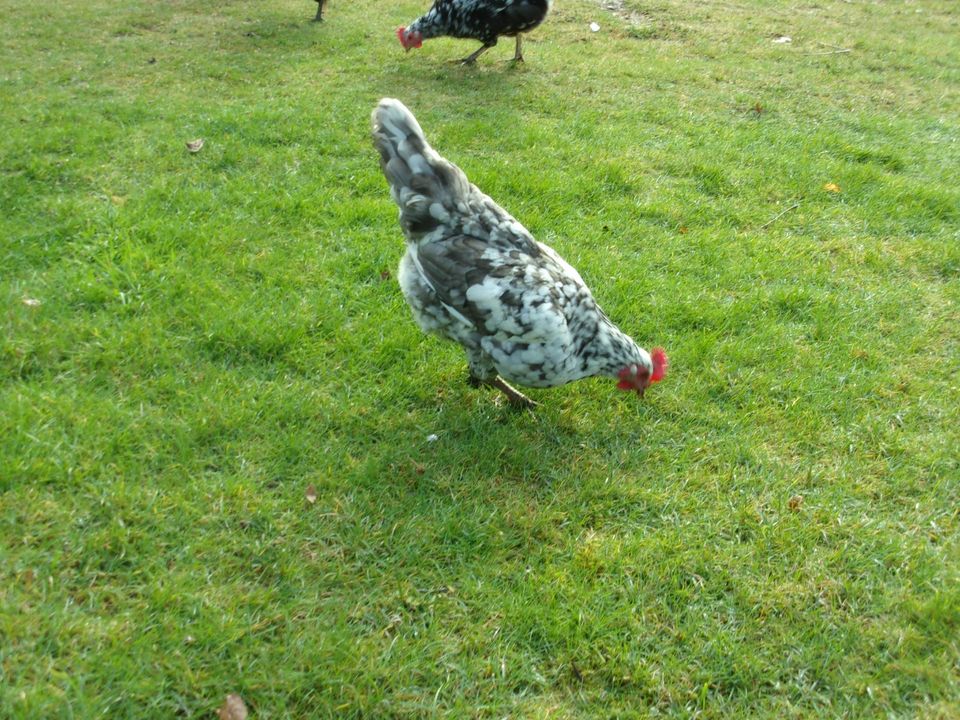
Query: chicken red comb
[[660, 364]]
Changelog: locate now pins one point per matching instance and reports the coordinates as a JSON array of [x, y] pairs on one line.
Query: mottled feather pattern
[[482, 20], [472, 273]]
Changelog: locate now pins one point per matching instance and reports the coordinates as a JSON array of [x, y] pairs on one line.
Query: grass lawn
[[191, 342]]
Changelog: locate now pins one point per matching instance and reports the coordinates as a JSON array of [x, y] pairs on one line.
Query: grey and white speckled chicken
[[483, 20], [473, 274]]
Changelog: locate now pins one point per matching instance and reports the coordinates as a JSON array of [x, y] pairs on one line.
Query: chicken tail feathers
[[424, 185]]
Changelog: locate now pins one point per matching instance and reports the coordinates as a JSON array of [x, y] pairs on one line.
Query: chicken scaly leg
[[518, 55], [516, 398], [472, 57]]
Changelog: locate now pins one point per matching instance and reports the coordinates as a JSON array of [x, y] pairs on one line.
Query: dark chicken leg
[[472, 57], [319, 17]]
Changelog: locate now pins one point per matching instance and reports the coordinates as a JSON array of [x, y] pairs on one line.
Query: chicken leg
[[319, 17], [472, 57], [516, 398], [518, 55]]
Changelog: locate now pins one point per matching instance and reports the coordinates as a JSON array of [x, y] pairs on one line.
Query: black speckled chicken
[[483, 20], [473, 274]]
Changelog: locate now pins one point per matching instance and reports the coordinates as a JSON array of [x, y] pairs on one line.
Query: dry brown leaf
[[384, 274], [233, 708], [194, 146], [832, 187], [311, 493], [795, 503]]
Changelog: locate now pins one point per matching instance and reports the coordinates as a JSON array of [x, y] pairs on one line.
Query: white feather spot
[[418, 164], [439, 212], [484, 293]]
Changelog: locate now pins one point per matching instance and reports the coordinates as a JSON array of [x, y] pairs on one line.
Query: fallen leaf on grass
[[194, 146], [594, 27], [233, 708], [832, 187], [384, 275], [783, 40], [31, 302], [795, 503], [311, 493]]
